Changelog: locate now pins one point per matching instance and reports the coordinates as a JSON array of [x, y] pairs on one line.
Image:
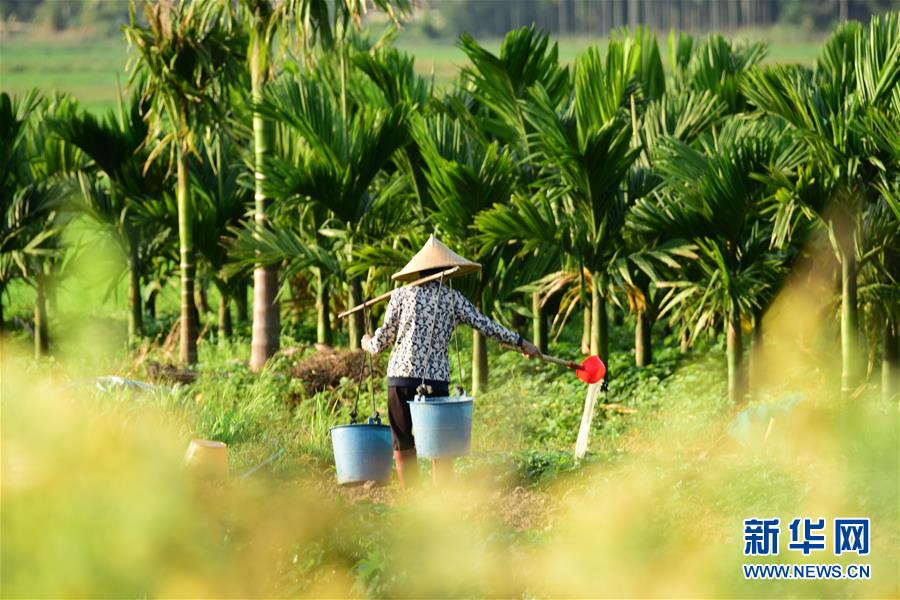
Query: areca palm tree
[[445, 155], [396, 82], [308, 20], [499, 86], [115, 145], [222, 202], [879, 285], [536, 230], [36, 185], [587, 148], [705, 84], [684, 116], [322, 180], [712, 196], [713, 65], [858, 68], [14, 115], [880, 269], [29, 244], [183, 60], [468, 176]]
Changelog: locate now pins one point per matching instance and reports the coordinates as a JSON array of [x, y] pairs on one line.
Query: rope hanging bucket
[[362, 452], [442, 425]]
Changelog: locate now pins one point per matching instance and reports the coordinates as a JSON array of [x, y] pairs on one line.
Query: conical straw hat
[[435, 255]]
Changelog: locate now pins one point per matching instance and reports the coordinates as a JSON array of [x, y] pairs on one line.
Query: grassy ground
[[91, 68], [656, 509]]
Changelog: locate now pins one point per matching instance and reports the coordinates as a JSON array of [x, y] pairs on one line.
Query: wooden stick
[[387, 295], [559, 361], [550, 359]]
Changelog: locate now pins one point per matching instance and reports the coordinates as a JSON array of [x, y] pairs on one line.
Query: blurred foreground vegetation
[[96, 502]]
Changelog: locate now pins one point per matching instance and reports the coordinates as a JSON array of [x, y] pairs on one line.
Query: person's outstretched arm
[[471, 316], [387, 333]]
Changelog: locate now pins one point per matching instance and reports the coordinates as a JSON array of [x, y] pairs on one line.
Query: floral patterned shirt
[[416, 313]]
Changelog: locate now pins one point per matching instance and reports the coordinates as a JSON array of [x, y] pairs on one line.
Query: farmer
[[419, 322]]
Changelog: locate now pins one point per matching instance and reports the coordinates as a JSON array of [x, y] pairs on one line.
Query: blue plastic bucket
[[442, 425], [362, 452]]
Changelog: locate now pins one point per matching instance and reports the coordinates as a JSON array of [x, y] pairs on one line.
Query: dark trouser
[[399, 415]]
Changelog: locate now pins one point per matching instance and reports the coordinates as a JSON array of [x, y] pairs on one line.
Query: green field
[[91, 69], [88, 69], [721, 236]]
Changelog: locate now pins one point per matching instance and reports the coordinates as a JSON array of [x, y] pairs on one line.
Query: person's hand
[[529, 349], [365, 340]]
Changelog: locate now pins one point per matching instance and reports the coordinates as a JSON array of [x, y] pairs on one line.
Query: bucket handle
[[424, 388], [375, 419], [460, 390]]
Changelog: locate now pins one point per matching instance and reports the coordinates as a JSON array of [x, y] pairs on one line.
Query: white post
[[584, 432]]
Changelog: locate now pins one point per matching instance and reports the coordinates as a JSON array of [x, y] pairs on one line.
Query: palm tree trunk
[[295, 304], [618, 316], [849, 320], [538, 322], [734, 352], [135, 316], [756, 352], [225, 329], [188, 325], [355, 323], [266, 326], [586, 330], [51, 292], [643, 340], [41, 338], [479, 363], [599, 320], [890, 363], [519, 323], [323, 319], [202, 296], [150, 306], [240, 302]]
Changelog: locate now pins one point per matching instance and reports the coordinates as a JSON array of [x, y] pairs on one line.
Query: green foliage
[[183, 59], [716, 66], [690, 195], [35, 184]]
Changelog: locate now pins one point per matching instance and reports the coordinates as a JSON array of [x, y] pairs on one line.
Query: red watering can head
[[592, 370]]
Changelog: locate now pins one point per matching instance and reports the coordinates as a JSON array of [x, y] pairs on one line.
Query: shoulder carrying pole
[[387, 295]]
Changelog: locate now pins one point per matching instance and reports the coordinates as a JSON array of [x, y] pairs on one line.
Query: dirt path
[[518, 508]]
